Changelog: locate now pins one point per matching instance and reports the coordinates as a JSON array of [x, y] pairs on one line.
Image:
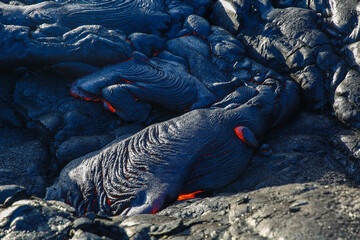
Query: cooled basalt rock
[[23, 160], [8, 192], [79, 146], [276, 38], [345, 18], [198, 25], [301, 155], [47, 99], [146, 43], [338, 18], [252, 214], [90, 32], [347, 142], [33, 219], [141, 174], [92, 44], [152, 61], [346, 103], [352, 54], [128, 87], [224, 14], [128, 16]]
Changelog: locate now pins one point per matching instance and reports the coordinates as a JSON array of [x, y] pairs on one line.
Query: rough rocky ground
[[307, 189]]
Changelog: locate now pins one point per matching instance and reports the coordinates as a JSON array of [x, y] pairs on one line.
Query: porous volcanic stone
[[347, 95]]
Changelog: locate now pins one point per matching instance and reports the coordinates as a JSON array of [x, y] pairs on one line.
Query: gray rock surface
[[23, 160], [34, 219], [10, 192], [303, 185], [303, 190], [352, 53], [197, 24], [293, 211], [79, 146], [47, 99], [346, 104]]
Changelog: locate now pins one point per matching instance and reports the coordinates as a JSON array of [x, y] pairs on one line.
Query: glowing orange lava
[[109, 107], [188, 196], [75, 92], [240, 133]]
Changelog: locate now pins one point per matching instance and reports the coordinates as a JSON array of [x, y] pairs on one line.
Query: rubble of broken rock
[[305, 186]]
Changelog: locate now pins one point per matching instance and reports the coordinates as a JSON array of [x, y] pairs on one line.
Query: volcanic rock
[[80, 145], [346, 102], [34, 219], [302, 182], [23, 160]]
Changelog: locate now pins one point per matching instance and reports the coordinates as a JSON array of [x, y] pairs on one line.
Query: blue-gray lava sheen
[[229, 70]]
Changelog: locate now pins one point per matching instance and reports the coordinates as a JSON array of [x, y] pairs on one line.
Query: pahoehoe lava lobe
[[212, 77], [48, 45], [204, 149], [129, 87], [201, 150], [126, 15]]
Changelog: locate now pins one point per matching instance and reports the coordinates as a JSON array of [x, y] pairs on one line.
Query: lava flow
[[188, 196]]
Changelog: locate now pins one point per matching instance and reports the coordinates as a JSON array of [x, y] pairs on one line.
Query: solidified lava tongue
[[229, 70], [199, 151]]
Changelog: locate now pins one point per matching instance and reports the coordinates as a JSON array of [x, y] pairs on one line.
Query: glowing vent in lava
[[188, 196]]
